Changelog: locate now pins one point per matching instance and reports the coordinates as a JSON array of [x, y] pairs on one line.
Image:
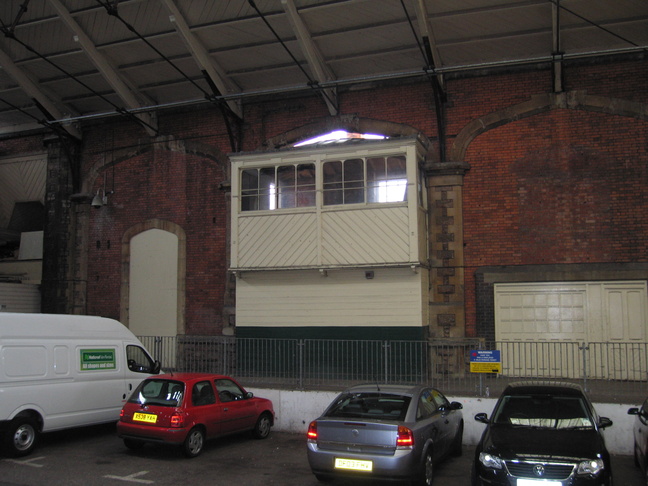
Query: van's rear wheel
[[22, 435]]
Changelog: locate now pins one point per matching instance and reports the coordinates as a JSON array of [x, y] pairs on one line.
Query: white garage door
[[544, 328]]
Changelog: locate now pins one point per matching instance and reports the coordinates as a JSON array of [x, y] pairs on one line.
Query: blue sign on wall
[[485, 361]]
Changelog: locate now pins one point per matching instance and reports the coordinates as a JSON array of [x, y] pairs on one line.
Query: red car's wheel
[[193, 444]]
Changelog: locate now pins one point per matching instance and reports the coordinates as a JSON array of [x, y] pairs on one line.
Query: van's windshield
[[167, 393]]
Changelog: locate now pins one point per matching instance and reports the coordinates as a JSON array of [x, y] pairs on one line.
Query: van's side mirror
[[156, 367]]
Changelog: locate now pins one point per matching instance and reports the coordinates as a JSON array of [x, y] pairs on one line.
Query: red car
[[188, 408]]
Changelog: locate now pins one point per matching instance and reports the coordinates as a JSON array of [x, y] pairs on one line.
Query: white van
[[61, 371]]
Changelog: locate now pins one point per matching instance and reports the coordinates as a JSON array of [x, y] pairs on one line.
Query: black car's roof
[[544, 388]]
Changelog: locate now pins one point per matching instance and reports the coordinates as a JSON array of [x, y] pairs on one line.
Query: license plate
[[533, 482], [353, 464], [145, 417]]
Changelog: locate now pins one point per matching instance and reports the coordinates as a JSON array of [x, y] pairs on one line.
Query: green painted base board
[[392, 333]]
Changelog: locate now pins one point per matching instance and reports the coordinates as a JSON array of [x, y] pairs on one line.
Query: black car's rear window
[[370, 405], [543, 411], [158, 392]]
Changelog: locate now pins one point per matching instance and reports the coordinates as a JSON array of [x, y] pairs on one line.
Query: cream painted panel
[[367, 236], [277, 241], [625, 309], [542, 325], [154, 284], [394, 297], [540, 312]]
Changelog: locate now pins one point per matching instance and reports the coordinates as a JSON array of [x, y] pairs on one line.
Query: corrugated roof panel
[[357, 38]]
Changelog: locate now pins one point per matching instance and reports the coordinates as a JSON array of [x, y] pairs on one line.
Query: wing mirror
[[605, 422], [482, 417]]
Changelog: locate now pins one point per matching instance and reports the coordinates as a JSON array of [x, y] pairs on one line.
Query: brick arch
[[344, 122], [573, 100], [126, 260], [169, 143]]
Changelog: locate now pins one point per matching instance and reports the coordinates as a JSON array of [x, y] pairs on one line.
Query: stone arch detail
[[573, 100], [350, 123], [125, 267]]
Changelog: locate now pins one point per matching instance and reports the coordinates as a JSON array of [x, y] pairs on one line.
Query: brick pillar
[[447, 312], [58, 232]]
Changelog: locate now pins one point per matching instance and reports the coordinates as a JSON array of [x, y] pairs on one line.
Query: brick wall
[[560, 186]]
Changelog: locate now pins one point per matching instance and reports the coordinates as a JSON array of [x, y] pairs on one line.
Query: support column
[[58, 249], [447, 312]]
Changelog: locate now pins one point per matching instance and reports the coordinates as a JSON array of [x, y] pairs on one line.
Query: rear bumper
[[152, 434], [402, 465]]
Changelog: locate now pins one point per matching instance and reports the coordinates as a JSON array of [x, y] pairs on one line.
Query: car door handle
[[225, 409]]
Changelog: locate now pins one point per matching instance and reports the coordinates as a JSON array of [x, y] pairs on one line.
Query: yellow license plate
[[353, 464], [145, 417]]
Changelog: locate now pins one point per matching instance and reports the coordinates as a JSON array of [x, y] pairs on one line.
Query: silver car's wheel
[[427, 475], [193, 444], [21, 437]]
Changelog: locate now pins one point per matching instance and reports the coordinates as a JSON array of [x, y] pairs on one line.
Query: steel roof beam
[[109, 73], [313, 56], [32, 90], [202, 58], [431, 49]]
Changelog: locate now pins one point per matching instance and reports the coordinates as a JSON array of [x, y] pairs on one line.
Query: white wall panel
[[19, 297], [342, 298]]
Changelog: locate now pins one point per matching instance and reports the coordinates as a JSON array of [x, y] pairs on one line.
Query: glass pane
[[267, 188], [332, 183], [375, 169], [250, 179], [333, 195], [353, 170], [332, 172], [353, 181], [250, 190], [286, 186], [396, 168], [305, 185], [353, 196]]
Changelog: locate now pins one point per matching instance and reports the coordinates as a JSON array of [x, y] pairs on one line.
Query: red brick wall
[[563, 186]]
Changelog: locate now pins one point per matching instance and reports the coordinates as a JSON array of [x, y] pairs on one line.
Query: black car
[[542, 434], [640, 437]]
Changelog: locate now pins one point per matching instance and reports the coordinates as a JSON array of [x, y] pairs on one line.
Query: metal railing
[[612, 372]]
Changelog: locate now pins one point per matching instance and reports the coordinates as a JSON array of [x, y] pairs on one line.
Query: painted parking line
[[132, 478], [27, 462]]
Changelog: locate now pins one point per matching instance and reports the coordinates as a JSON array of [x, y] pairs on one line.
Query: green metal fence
[[612, 372]]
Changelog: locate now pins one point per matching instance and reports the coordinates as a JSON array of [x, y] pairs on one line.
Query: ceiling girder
[[201, 56], [32, 90], [109, 73], [431, 50], [313, 56], [557, 65]]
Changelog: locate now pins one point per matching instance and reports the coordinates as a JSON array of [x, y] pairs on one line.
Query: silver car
[[385, 432]]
